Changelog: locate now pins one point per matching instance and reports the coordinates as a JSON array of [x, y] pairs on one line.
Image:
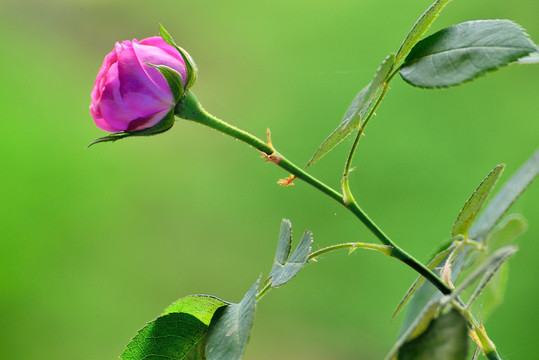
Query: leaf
[[165, 124], [533, 58], [488, 268], [174, 80], [420, 28], [285, 242], [506, 232], [357, 110], [229, 329], [285, 268], [446, 338], [505, 198], [417, 327], [493, 293], [475, 202], [465, 51], [192, 69], [179, 333]]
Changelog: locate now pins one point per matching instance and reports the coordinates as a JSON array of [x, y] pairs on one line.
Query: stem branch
[[190, 109]]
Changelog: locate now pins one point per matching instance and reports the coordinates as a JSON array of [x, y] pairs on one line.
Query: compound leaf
[[285, 268]]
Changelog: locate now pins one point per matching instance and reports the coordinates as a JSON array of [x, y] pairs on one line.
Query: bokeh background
[[96, 242]]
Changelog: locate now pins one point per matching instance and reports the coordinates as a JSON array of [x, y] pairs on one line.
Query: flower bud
[[131, 92]]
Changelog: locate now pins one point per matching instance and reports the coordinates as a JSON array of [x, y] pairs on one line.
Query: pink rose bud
[[130, 93]]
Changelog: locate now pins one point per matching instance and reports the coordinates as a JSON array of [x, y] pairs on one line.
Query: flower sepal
[[165, 124], [191, 67], [174, 80]]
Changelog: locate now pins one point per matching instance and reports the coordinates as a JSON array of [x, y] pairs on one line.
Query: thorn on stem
[[268, 133], [273, 157], [288, 181]]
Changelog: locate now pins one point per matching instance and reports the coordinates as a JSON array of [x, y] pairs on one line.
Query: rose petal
[[138, 91]]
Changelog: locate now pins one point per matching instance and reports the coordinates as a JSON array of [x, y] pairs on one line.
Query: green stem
[[487, 346], [190, 109]]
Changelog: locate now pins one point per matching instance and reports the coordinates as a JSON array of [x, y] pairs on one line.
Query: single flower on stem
[[138, 87]]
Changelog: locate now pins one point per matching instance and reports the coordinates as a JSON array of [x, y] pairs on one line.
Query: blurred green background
[[96, 242]]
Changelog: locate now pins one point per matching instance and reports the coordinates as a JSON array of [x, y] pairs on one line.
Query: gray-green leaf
[[357, 110], [420, 28], [533, 58], [505, 197], [465, 51], [475, 202], [229, 329], [179, 333], [285, 268]]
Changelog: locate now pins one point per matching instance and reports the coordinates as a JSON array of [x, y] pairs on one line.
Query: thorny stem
[[190, 109]]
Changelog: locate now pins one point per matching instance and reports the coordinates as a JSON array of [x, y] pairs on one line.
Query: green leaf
[[505, 198], [446, 338], [285, 268], [465, 51], [192, 69], [505, 233], [475, 202], [179, 333], [229, 329], [357, 110], [174, 80], [165, 124], [493, 293], [419, 324], [420, 28]]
